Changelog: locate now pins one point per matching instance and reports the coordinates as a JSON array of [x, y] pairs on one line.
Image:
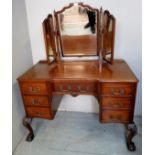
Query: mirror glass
[[78, 31]]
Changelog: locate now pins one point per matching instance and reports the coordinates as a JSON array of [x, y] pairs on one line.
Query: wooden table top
[[83, 70]]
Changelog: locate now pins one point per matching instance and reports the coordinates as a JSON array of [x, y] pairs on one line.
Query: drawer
[[39, 112], [108, 116], [117, 89], [34, 88], [36, 100], [116, 103], [75, 87]]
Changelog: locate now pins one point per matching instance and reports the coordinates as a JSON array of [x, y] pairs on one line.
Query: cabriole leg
[[131, 132], [26, 123]]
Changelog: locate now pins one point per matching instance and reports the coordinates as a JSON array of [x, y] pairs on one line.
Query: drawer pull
[[116, 105], [35, 102], [83, 90], [69, 88], [121, 92], [61, 88], [65, 90], [34, 90], [88, 88], [118, 117], [79, 88], [38, 114]]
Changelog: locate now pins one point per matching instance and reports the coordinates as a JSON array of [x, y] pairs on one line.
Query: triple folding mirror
[[79, 30]]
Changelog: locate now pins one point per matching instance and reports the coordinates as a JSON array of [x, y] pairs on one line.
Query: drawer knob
[[121, 92]]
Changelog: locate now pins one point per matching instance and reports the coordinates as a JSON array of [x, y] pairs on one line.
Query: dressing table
[[79, 42]]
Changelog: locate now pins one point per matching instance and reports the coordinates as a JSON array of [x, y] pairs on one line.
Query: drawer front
[[36, 100], [117, 89], [75, 87], [34, 88], [116, 103], [108, 116], [39, 112]]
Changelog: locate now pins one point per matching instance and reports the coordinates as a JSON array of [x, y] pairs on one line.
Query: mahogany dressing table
[[79, 30]]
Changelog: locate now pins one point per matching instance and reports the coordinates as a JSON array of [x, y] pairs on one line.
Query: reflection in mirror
[[78, 31], [108, 36]]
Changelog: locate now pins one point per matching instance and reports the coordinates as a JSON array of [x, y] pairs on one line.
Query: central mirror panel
[[78, 27]]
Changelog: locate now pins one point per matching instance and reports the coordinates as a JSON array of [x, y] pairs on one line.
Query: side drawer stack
[[36, 100], [116, 102]]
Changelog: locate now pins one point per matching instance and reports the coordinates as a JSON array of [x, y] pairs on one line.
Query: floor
[[73, 133]]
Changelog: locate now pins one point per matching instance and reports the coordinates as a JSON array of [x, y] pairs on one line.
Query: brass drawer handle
[[82, 90], [34, 90], [118, 117], [38, 114], [62, 89], [121, 92], [35, 102], [79, 88], [69, 88], [116, 105]]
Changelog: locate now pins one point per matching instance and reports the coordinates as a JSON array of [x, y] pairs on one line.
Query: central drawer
[[75, 87]]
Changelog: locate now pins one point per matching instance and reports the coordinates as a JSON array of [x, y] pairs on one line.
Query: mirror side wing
[[46, 40], [50, 39], [108, 36]]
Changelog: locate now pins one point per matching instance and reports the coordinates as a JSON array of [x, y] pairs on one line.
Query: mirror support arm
[[100, 60]]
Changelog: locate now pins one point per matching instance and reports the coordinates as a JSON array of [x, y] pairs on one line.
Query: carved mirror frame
[[52, 36], [59, 43]]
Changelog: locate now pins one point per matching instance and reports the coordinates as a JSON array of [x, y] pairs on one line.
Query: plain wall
[[22, 60], [127, 41]]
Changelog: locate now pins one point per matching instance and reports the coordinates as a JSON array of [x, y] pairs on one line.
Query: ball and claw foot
[[26, 123], [29, 137], [131, 132]]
